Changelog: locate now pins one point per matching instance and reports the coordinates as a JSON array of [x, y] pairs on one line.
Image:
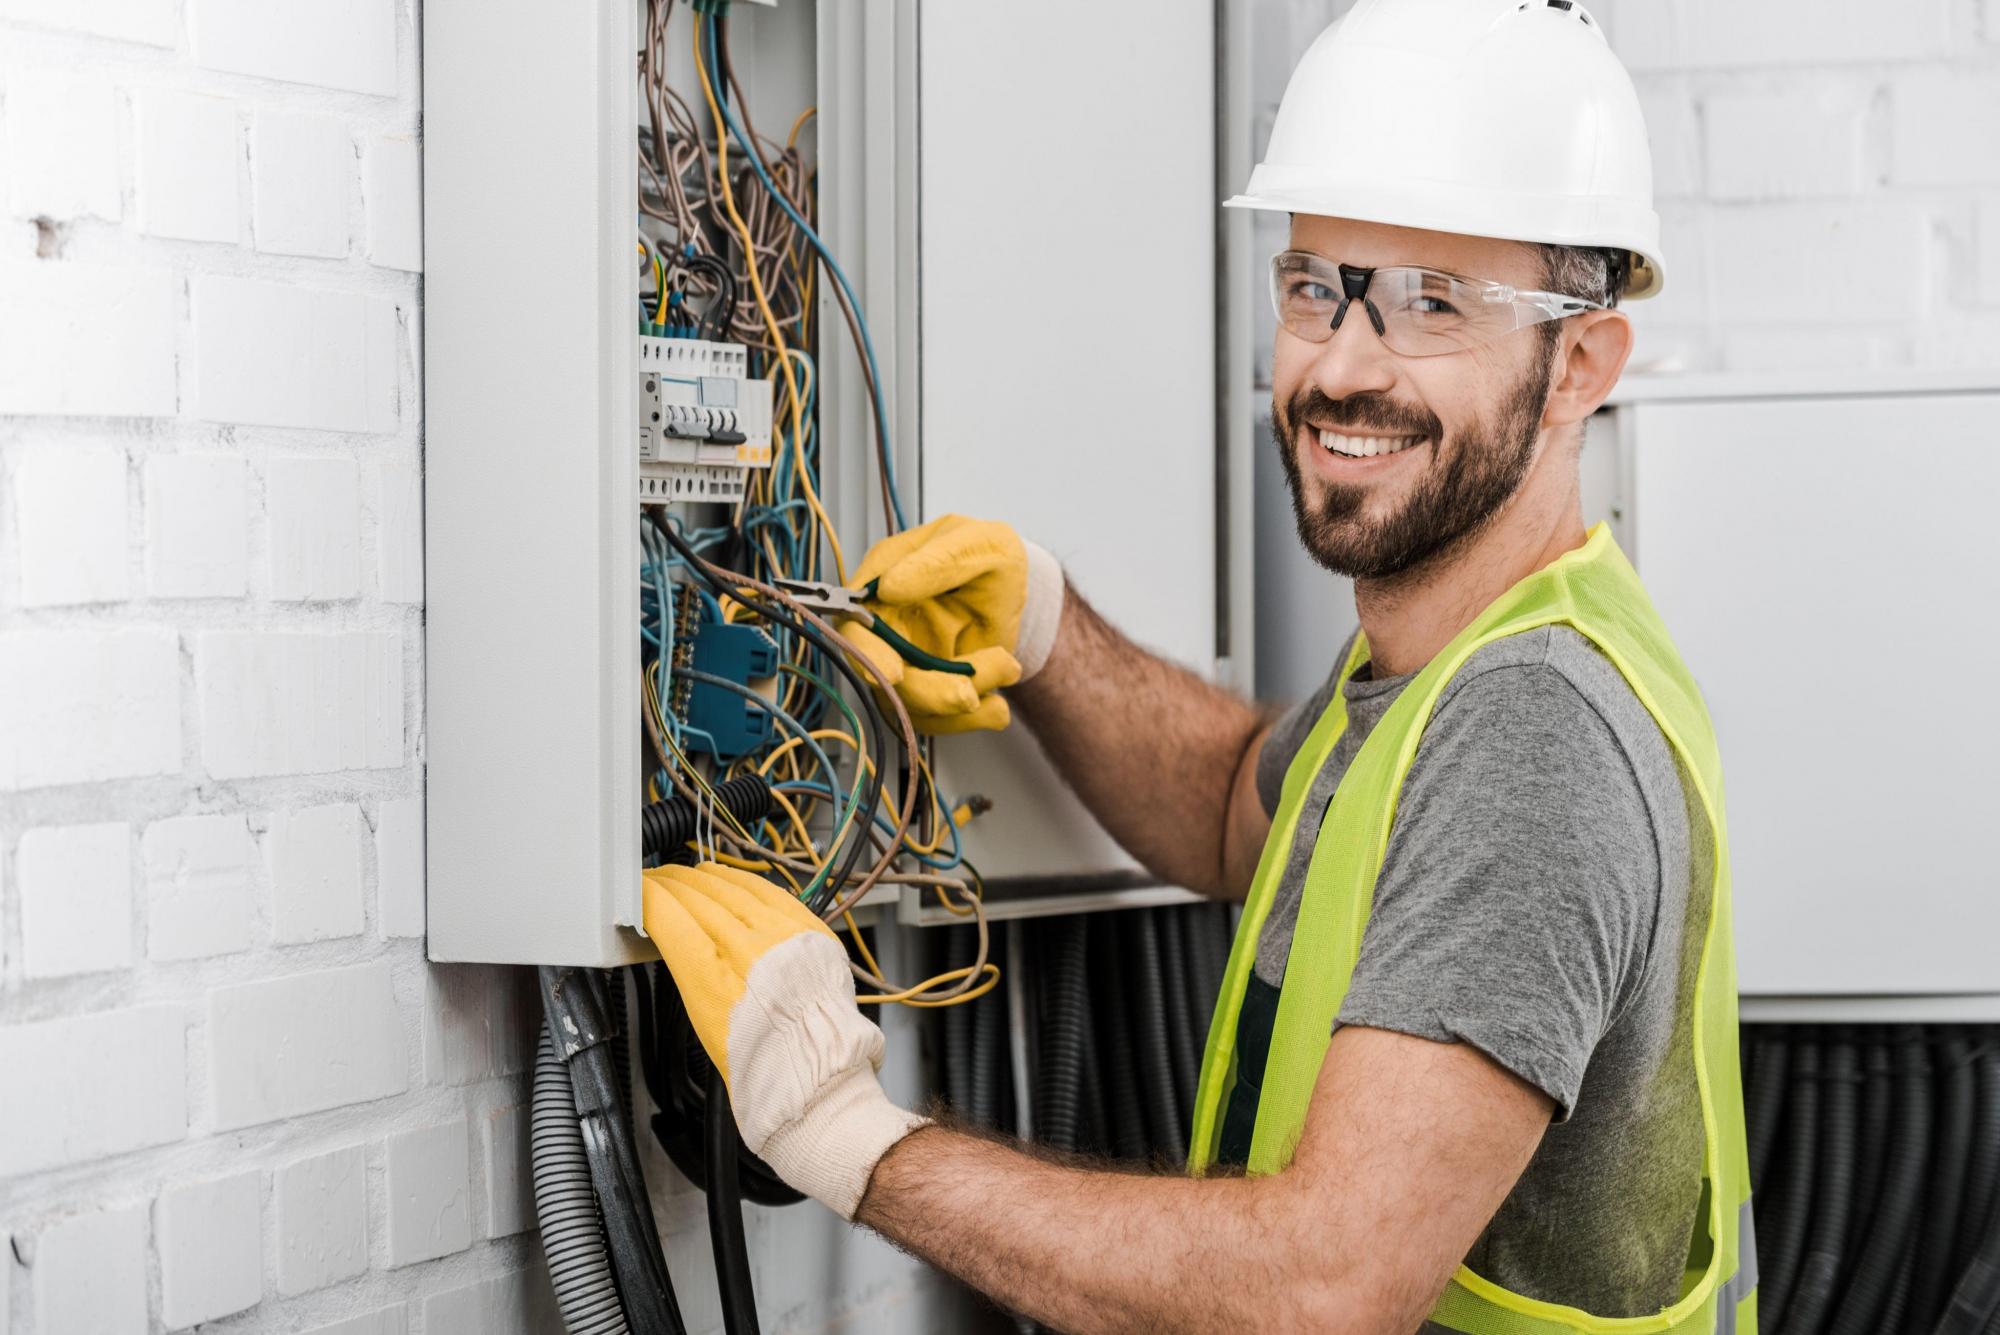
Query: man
[[1476, 1046]]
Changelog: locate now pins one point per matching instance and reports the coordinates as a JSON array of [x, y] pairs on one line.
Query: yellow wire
[[763, 304]]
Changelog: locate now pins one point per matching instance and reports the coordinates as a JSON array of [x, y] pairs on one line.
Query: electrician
[[1474, 1065]]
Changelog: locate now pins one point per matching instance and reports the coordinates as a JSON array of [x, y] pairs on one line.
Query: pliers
[[836, 600]]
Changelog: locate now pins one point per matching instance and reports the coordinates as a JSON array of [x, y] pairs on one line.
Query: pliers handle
[[838, 601]]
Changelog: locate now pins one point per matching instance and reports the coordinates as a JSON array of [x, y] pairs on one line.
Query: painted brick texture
[[234, 1088]]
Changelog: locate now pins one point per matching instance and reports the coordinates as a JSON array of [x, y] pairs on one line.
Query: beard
[[1471, 476]]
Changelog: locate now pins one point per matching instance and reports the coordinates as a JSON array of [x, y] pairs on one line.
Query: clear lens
[[1422, 312]]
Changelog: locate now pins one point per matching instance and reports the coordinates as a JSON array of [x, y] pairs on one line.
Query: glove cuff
[[830, 1152], [1041, 613]]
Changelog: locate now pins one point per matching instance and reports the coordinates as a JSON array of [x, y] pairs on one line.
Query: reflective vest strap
[[1218, 1061]]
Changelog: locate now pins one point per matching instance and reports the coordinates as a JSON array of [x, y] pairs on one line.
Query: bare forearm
[[1151, 748], [1090, 1250]]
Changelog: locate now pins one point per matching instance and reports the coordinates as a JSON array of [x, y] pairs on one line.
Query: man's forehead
[[1369, 245]]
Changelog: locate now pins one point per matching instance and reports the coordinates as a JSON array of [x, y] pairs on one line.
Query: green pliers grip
[[910, 652]]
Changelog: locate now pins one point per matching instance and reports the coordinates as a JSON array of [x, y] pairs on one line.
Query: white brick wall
[[215, 1014], [1828, 174]]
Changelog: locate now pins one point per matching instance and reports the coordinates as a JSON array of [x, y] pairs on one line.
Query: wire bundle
[[726, 223], [1875, 1172]]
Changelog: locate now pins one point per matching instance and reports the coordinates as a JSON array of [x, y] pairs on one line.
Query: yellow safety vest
[[1594, 590]]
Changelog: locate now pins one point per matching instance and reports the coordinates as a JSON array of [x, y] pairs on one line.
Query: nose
[[1354, 360]]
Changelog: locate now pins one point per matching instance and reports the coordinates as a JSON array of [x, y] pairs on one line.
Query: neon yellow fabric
[[954, 587], [1594, 590]]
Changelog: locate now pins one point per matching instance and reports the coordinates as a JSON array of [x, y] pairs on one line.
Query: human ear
[[1590, 356]]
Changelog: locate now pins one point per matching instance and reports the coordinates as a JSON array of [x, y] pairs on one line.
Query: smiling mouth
[[1363, 447]]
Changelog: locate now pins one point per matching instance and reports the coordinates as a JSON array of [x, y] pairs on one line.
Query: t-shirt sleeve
[[1517, 901], [1289, 733]]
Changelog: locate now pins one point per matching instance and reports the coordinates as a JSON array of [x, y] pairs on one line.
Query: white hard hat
[[1500, 118]]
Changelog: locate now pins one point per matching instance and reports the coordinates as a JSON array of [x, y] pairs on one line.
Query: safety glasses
[[1416, 312]]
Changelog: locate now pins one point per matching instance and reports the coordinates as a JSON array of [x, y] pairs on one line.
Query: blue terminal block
[[721, 722]]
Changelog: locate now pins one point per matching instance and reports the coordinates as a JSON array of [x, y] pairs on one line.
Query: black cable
[[1957, 1092], [575, 1002], [1149, 1013], [1889, 1233], [725, 1214], [877, 726], [1822, 1267]]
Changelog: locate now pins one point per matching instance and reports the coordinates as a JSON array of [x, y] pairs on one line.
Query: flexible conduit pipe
[[1820, 1270], [1975, 1304], [1783, 1244], [960, 945], [1765, 1101], [1982, 1173], [1889, 1235], [1181, 1041], [1957, 1091], [566, 1206], [1065, 1010], [986, 1055], [1112, 1006], [1156, 1080]]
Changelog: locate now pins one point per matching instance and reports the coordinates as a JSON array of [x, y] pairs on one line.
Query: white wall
[[232, 1090], [1828, 178]]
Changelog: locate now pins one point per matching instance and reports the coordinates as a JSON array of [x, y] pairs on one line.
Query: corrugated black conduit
[[667, 825], [1956, 1094], [1781, 1247], [1126, 1129], [1063, 1021], [1870, 1299], [1819, 1273], [992, 1084], [1149, 1015], [961, 945], [1183, 1043]]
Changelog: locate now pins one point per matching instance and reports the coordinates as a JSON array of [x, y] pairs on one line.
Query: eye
[[1425, 305], [1307, 290]]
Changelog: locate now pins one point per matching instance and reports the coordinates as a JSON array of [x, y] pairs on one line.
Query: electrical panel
[[653, 422]]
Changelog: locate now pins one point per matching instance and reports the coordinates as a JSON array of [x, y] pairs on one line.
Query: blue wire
[[931, 860], [833, 266]]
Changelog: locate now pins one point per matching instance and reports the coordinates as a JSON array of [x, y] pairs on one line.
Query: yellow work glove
[[966, 589], [767, 988]]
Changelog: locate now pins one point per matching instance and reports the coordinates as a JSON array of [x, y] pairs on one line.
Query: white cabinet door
[[1831, 571], [1068, 322]]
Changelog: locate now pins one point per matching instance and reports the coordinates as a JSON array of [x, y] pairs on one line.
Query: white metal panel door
[[1831, 571], [1068, 317]]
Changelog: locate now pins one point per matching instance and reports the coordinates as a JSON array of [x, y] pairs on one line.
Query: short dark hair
[[1594, 273]]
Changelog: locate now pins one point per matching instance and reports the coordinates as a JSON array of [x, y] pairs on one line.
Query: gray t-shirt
[[1541, 900]]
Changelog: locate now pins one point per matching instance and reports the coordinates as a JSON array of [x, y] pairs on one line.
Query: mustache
[[1369, 412]]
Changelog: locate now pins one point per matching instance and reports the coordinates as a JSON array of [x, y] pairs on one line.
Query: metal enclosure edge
[[530, 483]]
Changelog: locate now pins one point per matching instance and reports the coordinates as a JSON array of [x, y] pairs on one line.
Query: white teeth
[[1364, 447]]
